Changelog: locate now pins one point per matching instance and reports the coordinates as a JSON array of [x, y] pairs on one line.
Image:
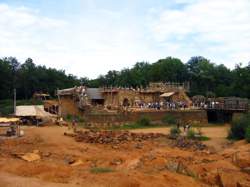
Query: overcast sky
[[90, 37]]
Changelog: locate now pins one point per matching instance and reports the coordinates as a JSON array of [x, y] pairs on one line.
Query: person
[[184, 128], [74, 124], [178, 125]]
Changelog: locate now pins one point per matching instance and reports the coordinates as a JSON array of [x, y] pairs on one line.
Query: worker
[[74, 124]]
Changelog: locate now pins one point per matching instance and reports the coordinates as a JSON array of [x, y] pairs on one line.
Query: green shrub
[[238, 127], [80, 119], [144, 121], [203, 138], [169, 119], [174, 131], [100, 170], [69, 117], [247, 135], [191, 134]]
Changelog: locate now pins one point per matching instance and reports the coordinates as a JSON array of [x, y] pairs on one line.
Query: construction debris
[[184, 143], [112, 137]]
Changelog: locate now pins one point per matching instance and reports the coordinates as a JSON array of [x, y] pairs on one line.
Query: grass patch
[[144, 121], [129, 126], [79, 119], [97, 170], [169, 119], [204, 138]]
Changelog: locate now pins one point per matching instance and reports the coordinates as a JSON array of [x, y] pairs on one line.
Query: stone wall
[[184, 115], [117, 97], [68, 106]]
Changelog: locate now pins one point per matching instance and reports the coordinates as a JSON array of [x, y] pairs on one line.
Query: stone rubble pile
[[114, 137], [183, 142]]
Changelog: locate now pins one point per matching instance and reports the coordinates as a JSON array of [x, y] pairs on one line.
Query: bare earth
[[217, 134], [153, 163]]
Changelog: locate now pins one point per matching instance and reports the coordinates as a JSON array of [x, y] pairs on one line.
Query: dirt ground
[[148, 163], [217, 135]]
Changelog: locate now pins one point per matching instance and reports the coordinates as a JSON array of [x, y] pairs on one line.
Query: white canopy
[[167, 94], [32, 110], [8, 120]]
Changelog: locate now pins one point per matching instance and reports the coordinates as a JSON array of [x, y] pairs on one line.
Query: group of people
[[163, 105], [205, 105]]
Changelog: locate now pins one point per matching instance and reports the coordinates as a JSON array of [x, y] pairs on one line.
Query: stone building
[[155, 92], [81, 99]]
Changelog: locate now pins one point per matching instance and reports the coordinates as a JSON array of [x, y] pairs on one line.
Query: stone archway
[[125, 102]]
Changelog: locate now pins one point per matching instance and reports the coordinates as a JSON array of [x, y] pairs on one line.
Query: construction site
[[89, 137]]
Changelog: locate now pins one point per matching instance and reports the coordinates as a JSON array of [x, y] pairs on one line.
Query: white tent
[[32, 110]]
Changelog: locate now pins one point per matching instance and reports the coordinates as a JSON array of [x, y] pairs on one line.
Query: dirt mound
[[139, 159], [113, 137]]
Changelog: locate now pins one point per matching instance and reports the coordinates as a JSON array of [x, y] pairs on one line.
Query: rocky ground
[[46, 157]]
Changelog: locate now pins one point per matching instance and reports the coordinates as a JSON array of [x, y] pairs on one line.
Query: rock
[[112, 137], [246, 170], [133, 164], [232, 178], [139, 146], [76, 163], [172, 166], [179, 167], [184, 143], [69, 160], [47, 154], [241, 159], [116, 162], [115, 147], [30, 157]]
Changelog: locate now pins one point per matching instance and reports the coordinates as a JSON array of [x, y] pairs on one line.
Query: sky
[[90, 37]]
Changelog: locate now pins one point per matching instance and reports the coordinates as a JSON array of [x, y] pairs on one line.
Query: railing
[[222, 106]]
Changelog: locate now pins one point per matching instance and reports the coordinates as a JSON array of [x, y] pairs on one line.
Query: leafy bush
[[174, 131], [191, 134], [247, 135], [203, 138], [144, 121], [169, 119], [78, 119], [69, 117], [100, 170], [239, 127]]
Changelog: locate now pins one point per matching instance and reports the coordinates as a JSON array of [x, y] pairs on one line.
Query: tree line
[[205, 78]]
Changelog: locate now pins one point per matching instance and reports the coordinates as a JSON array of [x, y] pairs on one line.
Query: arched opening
[[125, 102]]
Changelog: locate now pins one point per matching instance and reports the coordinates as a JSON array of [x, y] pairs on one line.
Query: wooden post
[[14, 101]]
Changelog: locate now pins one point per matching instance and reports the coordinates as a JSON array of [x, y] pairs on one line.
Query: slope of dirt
[[145, 163]]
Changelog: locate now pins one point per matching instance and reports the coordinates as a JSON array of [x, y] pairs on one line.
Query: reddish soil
[[153, 163]]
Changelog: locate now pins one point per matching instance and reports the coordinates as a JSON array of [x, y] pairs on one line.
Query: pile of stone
[[114, 137], [184, 143]]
